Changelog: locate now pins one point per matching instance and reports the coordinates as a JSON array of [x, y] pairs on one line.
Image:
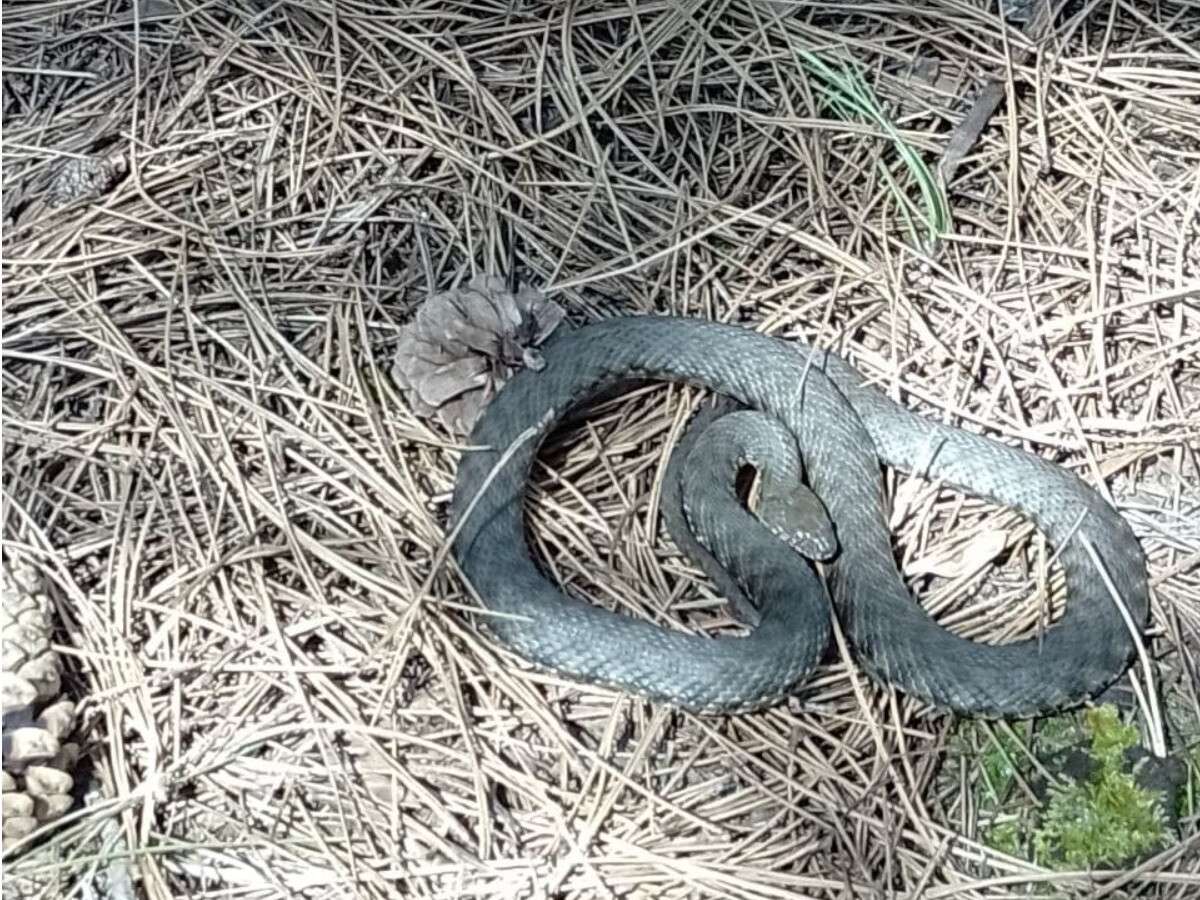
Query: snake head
[[800, 520]]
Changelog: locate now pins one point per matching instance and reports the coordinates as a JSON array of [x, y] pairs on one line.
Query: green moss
[[1008, 837], [1110, 736], [1106, 819], [1058, 733], [1102, 819]]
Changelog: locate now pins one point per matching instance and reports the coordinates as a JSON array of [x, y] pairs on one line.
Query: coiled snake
[[844, 428]]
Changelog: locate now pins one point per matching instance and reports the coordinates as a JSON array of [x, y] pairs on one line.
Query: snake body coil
[[844, 429]]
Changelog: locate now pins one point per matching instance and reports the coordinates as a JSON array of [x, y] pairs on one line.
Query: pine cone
[[85, 178], [38, 766], [465, 343]]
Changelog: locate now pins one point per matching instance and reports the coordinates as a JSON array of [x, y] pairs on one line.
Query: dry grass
[[204, 449]]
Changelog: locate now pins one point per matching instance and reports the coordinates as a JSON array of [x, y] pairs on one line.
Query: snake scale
[[844, 428]]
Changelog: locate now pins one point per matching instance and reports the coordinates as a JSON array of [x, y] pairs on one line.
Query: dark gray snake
[[844, 428]]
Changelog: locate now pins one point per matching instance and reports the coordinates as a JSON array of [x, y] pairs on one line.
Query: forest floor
[[243, 516]]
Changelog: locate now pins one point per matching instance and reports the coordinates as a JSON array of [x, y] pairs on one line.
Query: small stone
[[17, 827], [29, 746], [22, 577], [58, 718], [51, 807], [42, 781], [16, 805], [16, 692], [44, 674], [12, 654], [7, 783], [28, 637]]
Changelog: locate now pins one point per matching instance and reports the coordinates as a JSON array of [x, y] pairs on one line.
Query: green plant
[[1101, 817], [1189, 797], [1007, 836], [848, 95], [1106, 818]]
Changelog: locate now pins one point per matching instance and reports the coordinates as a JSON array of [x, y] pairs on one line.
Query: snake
[[845, 429]]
